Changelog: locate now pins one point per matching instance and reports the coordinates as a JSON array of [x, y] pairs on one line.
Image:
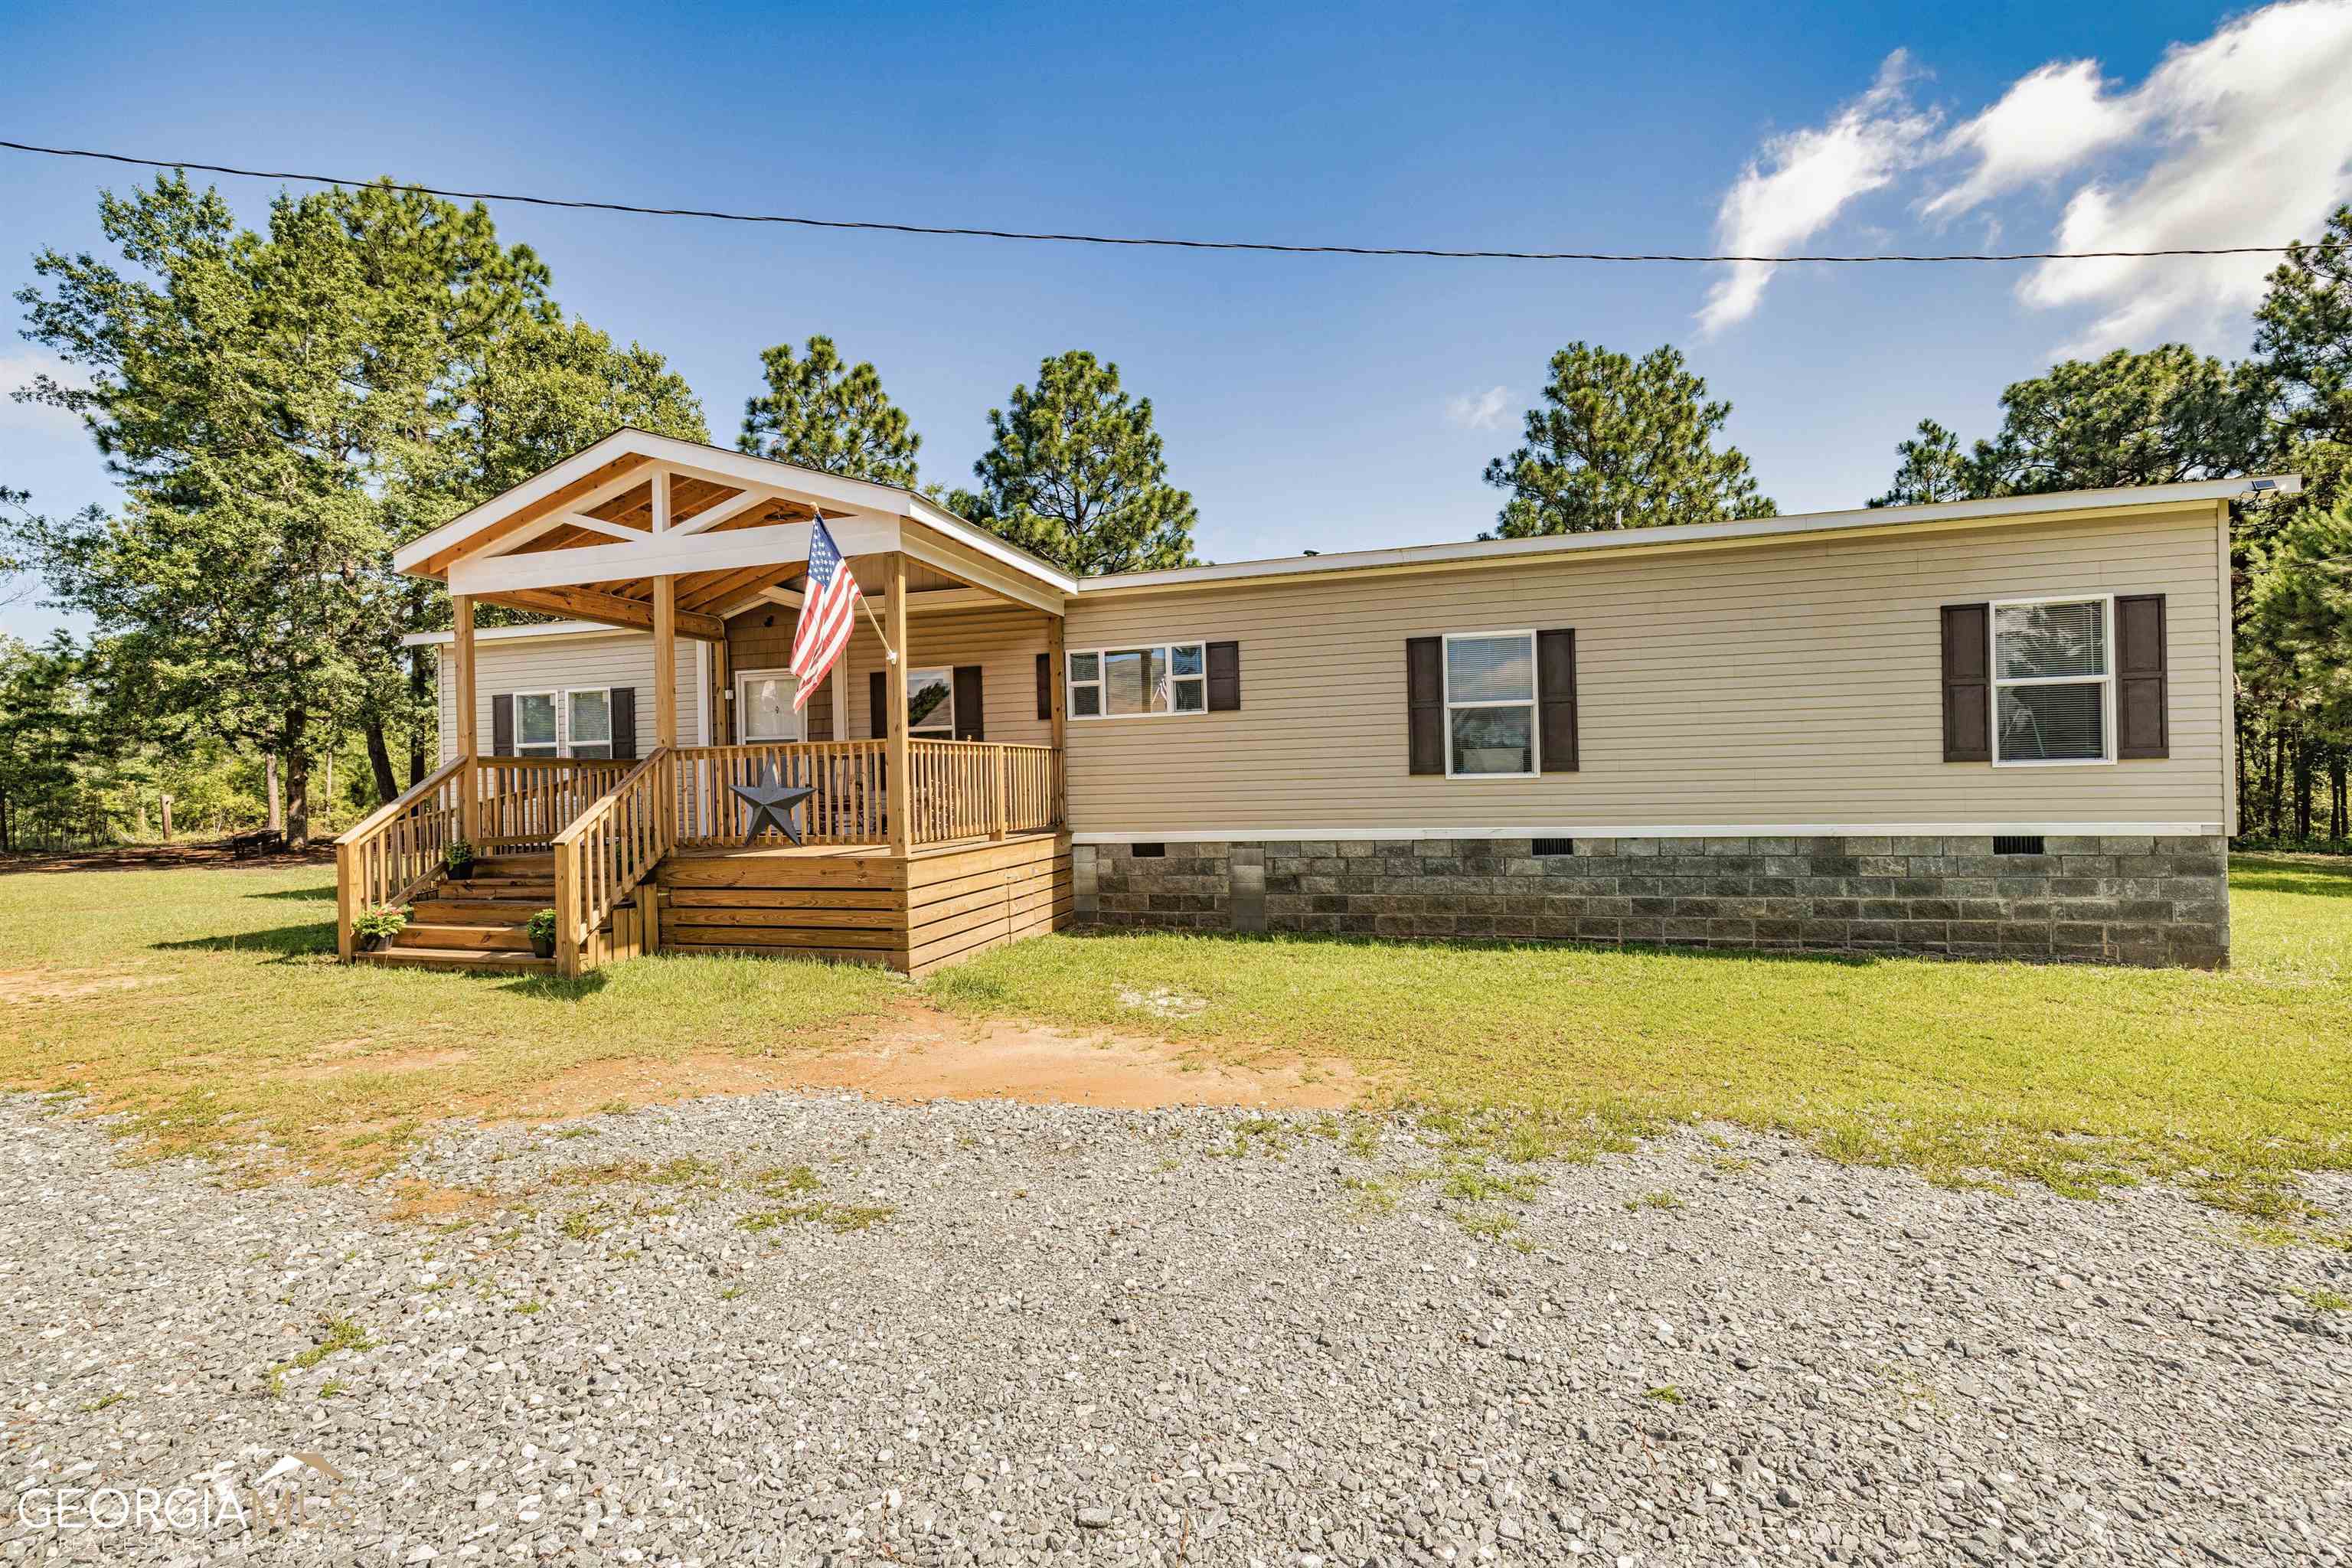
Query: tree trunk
[[2245, 786], [6, 846], [298, 780], [420, 687], [2302, 777], [167, 819], [387, 789], [2338, 828], [277, 804]]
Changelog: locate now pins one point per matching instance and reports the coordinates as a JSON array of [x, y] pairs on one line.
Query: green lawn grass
[[205, 1004], [2076, 1076]]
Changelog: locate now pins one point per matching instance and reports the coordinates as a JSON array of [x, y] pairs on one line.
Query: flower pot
[[543, 945], [464, 873], [374, 943]]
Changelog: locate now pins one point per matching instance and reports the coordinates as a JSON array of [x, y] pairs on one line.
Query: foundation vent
[[1148, 851], [1555, 846], [2018, 844]]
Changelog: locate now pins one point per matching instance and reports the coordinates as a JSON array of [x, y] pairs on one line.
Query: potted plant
[[377, 924], [541, 931], [458, 859]]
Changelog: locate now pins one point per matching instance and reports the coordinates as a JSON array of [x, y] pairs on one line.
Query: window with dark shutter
[[2140, 700], [1224, 677], [502, 724], [1556, 698], [1424, 704], [1044, 687], [624, 720], [968, 720], [1968, 703], [877, 703]]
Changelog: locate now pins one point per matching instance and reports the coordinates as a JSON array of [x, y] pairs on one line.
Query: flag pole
[[890, 653]]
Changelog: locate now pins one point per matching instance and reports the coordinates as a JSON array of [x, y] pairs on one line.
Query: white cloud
[[1479, 410], [17, 370], [2244, 138], [2251, 133], [1802, 180], [2046, 123]]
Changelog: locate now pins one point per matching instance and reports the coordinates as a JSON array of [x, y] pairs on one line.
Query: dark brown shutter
[[877, 701], [2139, 677], [1424, 704], [1044, 687], [502, 724], [1556, 698], [1968, 685], [624, 720], [970, 718], [1224, 677]]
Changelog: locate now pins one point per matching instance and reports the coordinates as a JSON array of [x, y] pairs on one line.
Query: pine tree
[[1077, 473], [821, 413], [1621, 443]]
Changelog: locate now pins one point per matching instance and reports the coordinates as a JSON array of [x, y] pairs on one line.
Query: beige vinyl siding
[[1778, 685], [556, 663]]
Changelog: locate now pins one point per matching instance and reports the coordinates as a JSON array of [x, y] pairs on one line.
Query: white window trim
[[2106, 679], [743, 709], [1165, 647], [1533, 702], [562, 696]]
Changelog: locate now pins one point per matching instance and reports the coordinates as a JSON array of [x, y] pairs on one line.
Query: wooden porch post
[[1058, 689], [841, 697], [900, 793], [665, 662], [470, 805]]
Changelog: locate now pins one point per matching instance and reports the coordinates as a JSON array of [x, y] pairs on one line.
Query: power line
[[1143, 240]]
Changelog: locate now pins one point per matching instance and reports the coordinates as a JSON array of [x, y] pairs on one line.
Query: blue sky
[[1318, 403]]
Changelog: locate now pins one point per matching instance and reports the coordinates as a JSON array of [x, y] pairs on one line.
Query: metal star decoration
[[771, 802]]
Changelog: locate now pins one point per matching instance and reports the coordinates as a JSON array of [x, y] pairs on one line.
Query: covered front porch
[[915, 849]]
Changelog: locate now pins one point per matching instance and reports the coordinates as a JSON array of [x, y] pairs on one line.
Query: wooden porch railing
[[395, 851], [962, 789], [529, 800], [845, 774], [608, 851], [979, 789]]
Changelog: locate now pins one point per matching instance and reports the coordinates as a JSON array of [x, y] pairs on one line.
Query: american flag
[[828, 609]]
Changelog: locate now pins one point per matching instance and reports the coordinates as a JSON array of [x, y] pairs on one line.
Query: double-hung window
[[589, 718], [1490, 705], [1139, 682], [576, 722], [763, 705], [535, 732], [2053, 681], [930, 704]]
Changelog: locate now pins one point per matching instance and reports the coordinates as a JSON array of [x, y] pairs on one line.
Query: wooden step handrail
[[396, 849], [604, 854]]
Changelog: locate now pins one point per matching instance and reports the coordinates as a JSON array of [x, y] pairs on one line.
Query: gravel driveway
[[788, 1330]]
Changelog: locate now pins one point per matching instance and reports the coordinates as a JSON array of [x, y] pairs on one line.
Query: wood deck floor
[[860, 903]]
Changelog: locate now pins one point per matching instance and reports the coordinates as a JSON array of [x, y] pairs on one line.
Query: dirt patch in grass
[[67, 985], [346, 1062], [920, 1054]]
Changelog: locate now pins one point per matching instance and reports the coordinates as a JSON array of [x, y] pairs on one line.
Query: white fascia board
[[667, 554], [783, 480], [515, 633], [1672, 830], [1995, 509]]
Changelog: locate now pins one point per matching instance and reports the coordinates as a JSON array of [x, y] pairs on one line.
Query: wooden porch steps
[[479, 924]]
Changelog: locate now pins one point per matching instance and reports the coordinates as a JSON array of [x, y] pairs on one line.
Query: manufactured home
[[1995, 728]]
